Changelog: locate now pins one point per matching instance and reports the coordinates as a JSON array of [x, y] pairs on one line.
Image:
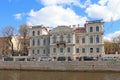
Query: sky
[[61, 12]]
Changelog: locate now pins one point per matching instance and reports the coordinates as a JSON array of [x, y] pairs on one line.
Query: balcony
[[61, 43]]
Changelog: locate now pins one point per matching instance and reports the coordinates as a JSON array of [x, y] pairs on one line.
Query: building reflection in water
[[47, 75]]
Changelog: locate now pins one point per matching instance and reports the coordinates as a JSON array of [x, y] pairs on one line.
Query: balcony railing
[[61, 43]]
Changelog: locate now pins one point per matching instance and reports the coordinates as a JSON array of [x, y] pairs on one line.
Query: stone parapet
[[63, 66]]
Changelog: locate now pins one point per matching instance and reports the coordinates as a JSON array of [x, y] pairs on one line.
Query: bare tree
[[8, 32], [116, 43], [23, 30]]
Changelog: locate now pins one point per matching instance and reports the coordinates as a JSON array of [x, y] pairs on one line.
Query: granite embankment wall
[[64, 66]]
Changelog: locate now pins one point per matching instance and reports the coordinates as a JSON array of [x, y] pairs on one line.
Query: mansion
[[67, 41]]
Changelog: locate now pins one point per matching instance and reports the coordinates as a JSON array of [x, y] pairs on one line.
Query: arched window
[[54, 39], [38, 42], [91, 39], [91, 50], [91, 29], [38, 33], [77, 39], [33, 51], [97, 39], [77, 50], [97, 50], [33, 42], [68, 49], [33, 33], [61, 38], [83, 50], [83, 40], [68, 36], [44, 42], [54, 50], [44, 51], [97, 28], [38, 51]]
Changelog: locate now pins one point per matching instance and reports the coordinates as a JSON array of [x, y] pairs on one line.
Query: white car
[[109, 58], [45, 58]]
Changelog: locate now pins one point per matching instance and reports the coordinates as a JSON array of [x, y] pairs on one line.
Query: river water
[[50, 75]]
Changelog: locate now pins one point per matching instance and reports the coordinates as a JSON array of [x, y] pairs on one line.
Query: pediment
[[62, 29]]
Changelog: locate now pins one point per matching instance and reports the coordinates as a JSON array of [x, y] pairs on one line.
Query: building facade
[[89, 39], [39, 41], [64, 41]]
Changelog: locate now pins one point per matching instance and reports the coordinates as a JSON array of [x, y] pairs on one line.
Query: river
[[52, 75]]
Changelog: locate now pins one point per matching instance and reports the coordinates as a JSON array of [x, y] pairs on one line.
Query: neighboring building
[[89, 39], [39, 42], [4, 47], [64, 41], [111, 48], [24, 44], [17, 41]]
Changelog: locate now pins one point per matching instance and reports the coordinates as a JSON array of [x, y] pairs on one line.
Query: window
[[97, 39], [61, 38], [91, 39], [77, 39], [83, 40], [83, 50], [68, 38], [38, 42], [77, 50], [91, 29], [43, 51], [68, 49], [61, 50], [54, 50], [91, 50], [69, 41], [33, 33], [38, 33], [44, 41], [97, 50], [48, 41], [54, 39], [33, 42], [97, 28], [33, 51], [37, 51]]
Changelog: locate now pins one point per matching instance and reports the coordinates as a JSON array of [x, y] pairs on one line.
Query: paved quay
[[63, 66]]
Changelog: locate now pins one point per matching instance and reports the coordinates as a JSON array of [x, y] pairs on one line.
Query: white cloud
[[66, 2], [55, 15], [111, 35], [105, 9], [18, 16], [103, 2]]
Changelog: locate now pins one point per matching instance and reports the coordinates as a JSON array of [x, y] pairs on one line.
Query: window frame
[[68, 49], [77, 50], [91, 29]]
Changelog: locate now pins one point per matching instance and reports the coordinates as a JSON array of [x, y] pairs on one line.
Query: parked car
[[109, 58], [45, 58], [61, 59], [8, 59], [86, 58]]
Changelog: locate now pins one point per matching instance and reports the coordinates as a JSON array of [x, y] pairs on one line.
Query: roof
[[95, 21], [3, 38], [80, 30]]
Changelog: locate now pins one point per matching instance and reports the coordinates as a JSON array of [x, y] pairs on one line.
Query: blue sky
[[61, 12]]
